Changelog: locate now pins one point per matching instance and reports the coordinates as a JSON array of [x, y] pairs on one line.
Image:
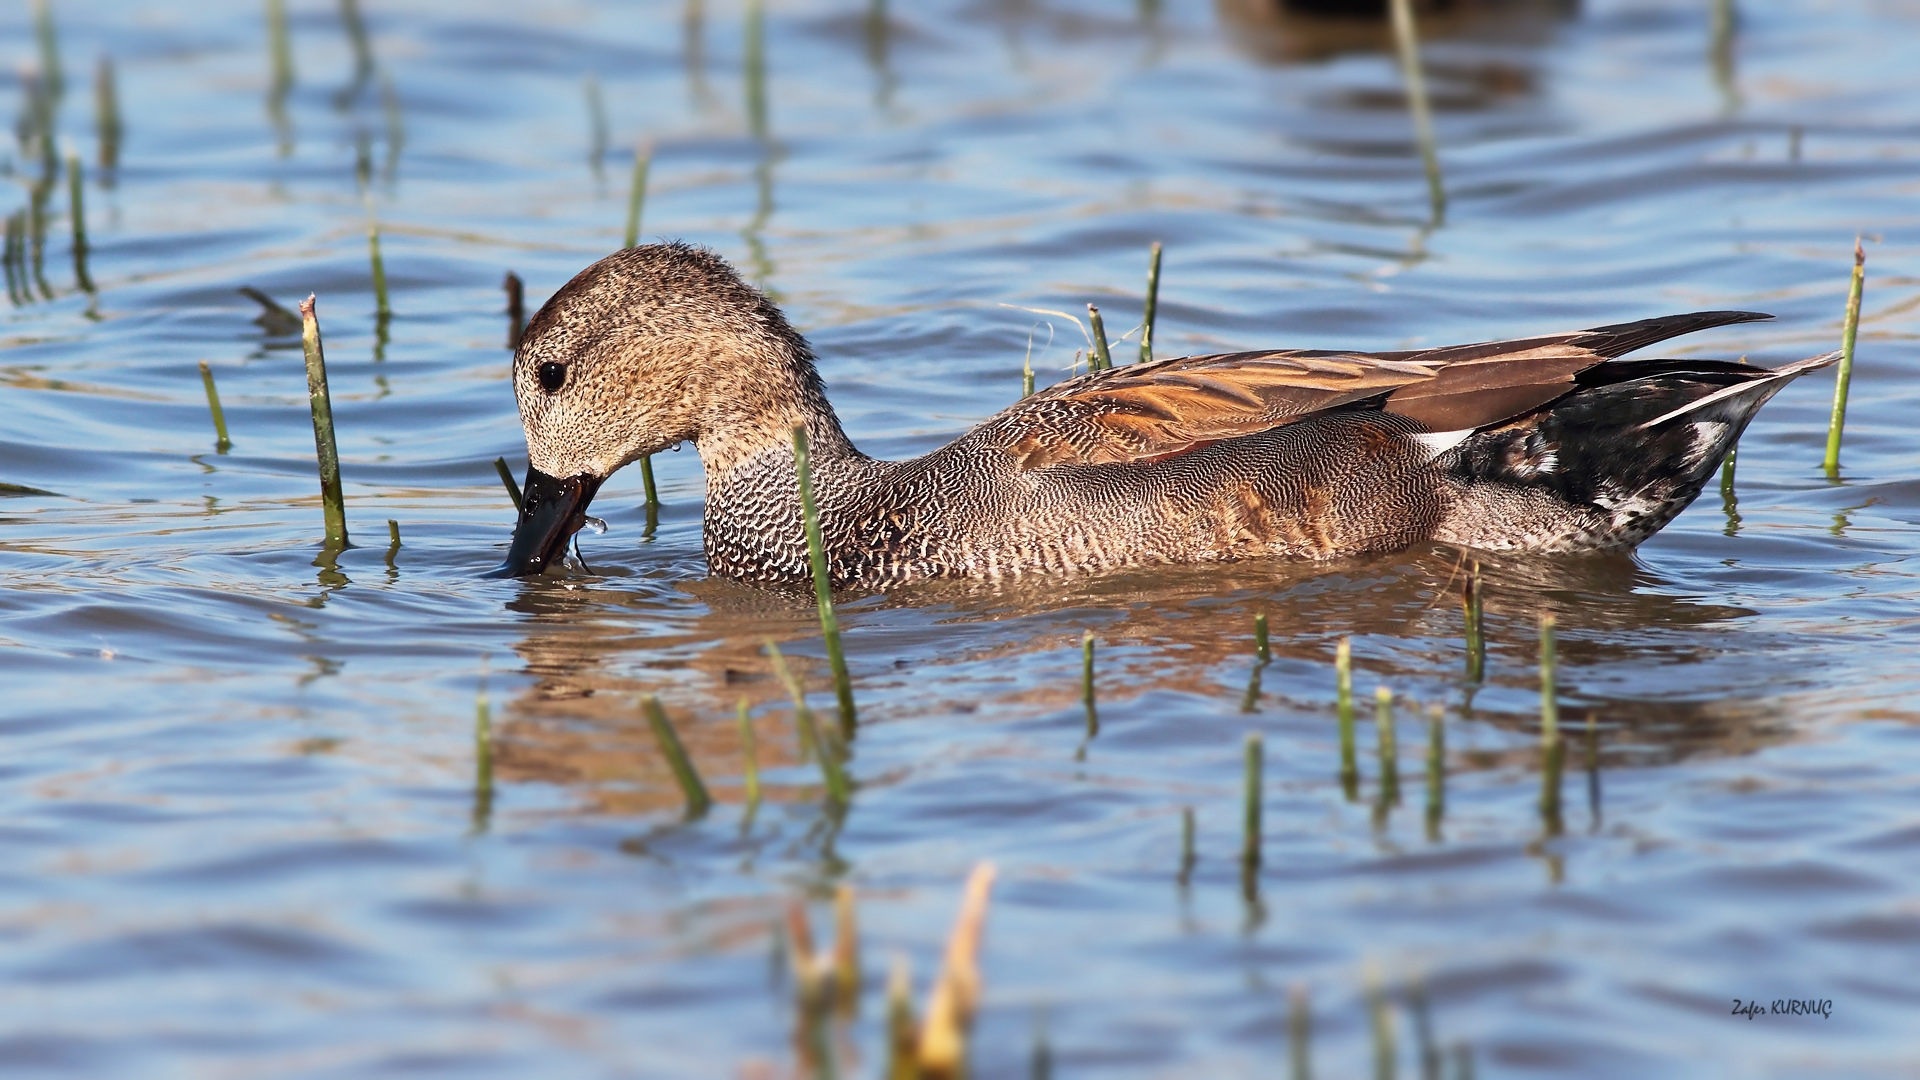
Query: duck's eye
[[552, 376]]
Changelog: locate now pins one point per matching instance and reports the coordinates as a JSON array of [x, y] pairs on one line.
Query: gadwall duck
[[1537, 444]]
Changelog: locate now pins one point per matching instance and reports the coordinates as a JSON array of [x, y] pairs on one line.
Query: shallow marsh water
[[242, 829]]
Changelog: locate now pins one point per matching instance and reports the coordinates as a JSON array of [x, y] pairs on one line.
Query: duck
[[1549, 444]]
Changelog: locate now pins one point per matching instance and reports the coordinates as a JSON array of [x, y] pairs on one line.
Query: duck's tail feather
[[1610, 464], [1772, 382], [1622, 338]]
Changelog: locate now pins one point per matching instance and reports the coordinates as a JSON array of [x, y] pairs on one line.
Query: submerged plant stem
[[1476, 625], [77, 207], [221, 443], [1349, 756], [516, 309], [506, 479], [828, 753], [1102, 358], [646, 482], [1406, 40], [1551, 749], [684, 773], [750, 749], [1256, 752], [332, 502], [1389, 746], [637, 194], [1843, 377], [822, 584], [1086, 683], [381, 307], [1152, 305]]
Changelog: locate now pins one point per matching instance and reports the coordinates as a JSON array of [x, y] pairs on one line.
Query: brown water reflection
[[1177, 630], [1296, 31]]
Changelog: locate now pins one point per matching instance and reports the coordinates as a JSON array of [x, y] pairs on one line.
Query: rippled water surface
[[245, 829]]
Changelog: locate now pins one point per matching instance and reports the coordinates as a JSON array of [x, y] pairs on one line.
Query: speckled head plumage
[[647, 348], [1542, 443]]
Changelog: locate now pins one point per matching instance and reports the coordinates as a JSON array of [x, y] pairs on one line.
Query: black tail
[[1610, 464]]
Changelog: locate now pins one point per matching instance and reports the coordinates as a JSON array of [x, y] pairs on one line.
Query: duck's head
[[650, 347]]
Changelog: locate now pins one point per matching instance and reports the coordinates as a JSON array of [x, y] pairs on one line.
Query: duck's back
[[1538, 444], [1337, 484]]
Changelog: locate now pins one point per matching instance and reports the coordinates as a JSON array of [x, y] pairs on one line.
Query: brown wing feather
[[1492, 387], [1158, 409], [1162, 408]]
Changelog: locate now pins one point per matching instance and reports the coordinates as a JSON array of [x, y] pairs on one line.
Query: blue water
[[245, 826]]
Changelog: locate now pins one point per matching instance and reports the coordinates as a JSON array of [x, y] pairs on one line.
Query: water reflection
[[1305, 31], [363, 67], [280, 54], [1164, 631]]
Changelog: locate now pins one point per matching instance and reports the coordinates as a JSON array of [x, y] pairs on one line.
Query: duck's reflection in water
[[1308, 31], [952, 649]]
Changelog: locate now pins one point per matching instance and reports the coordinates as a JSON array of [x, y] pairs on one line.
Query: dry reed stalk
[[956, 993]]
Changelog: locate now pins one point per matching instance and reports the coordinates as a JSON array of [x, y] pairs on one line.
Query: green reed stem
[[750, 746], [393, 535], [1152, 305], [596, 123], [7, 259], [1549, 703], [1551, 750], [1843, 378], [506, 478], [1187, 855], [646, 481], [1256, 753], [516, 309], [396, 125], [332, 501], [637, 194], [1102, 357], [1086, 683], [684, 773], [381, 307], [903, 1036], [1406, 40], [1026, 373], [49, 51], [77, 207], [1422, 1010], [1262, 656], [1299, 1033], [482, 756], [822, 584], [755, 60], [1476, 625], [37, 223], [279, 48], [1385, 1056], [1593, 771], [106, 114], [838, 790], [1389, 746], [1343, 680], [221, 442], [1436, 772]]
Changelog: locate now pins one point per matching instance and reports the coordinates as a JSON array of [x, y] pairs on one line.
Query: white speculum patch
[[1439, 442]]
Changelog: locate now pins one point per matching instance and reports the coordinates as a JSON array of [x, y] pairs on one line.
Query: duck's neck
[[753, 520]]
